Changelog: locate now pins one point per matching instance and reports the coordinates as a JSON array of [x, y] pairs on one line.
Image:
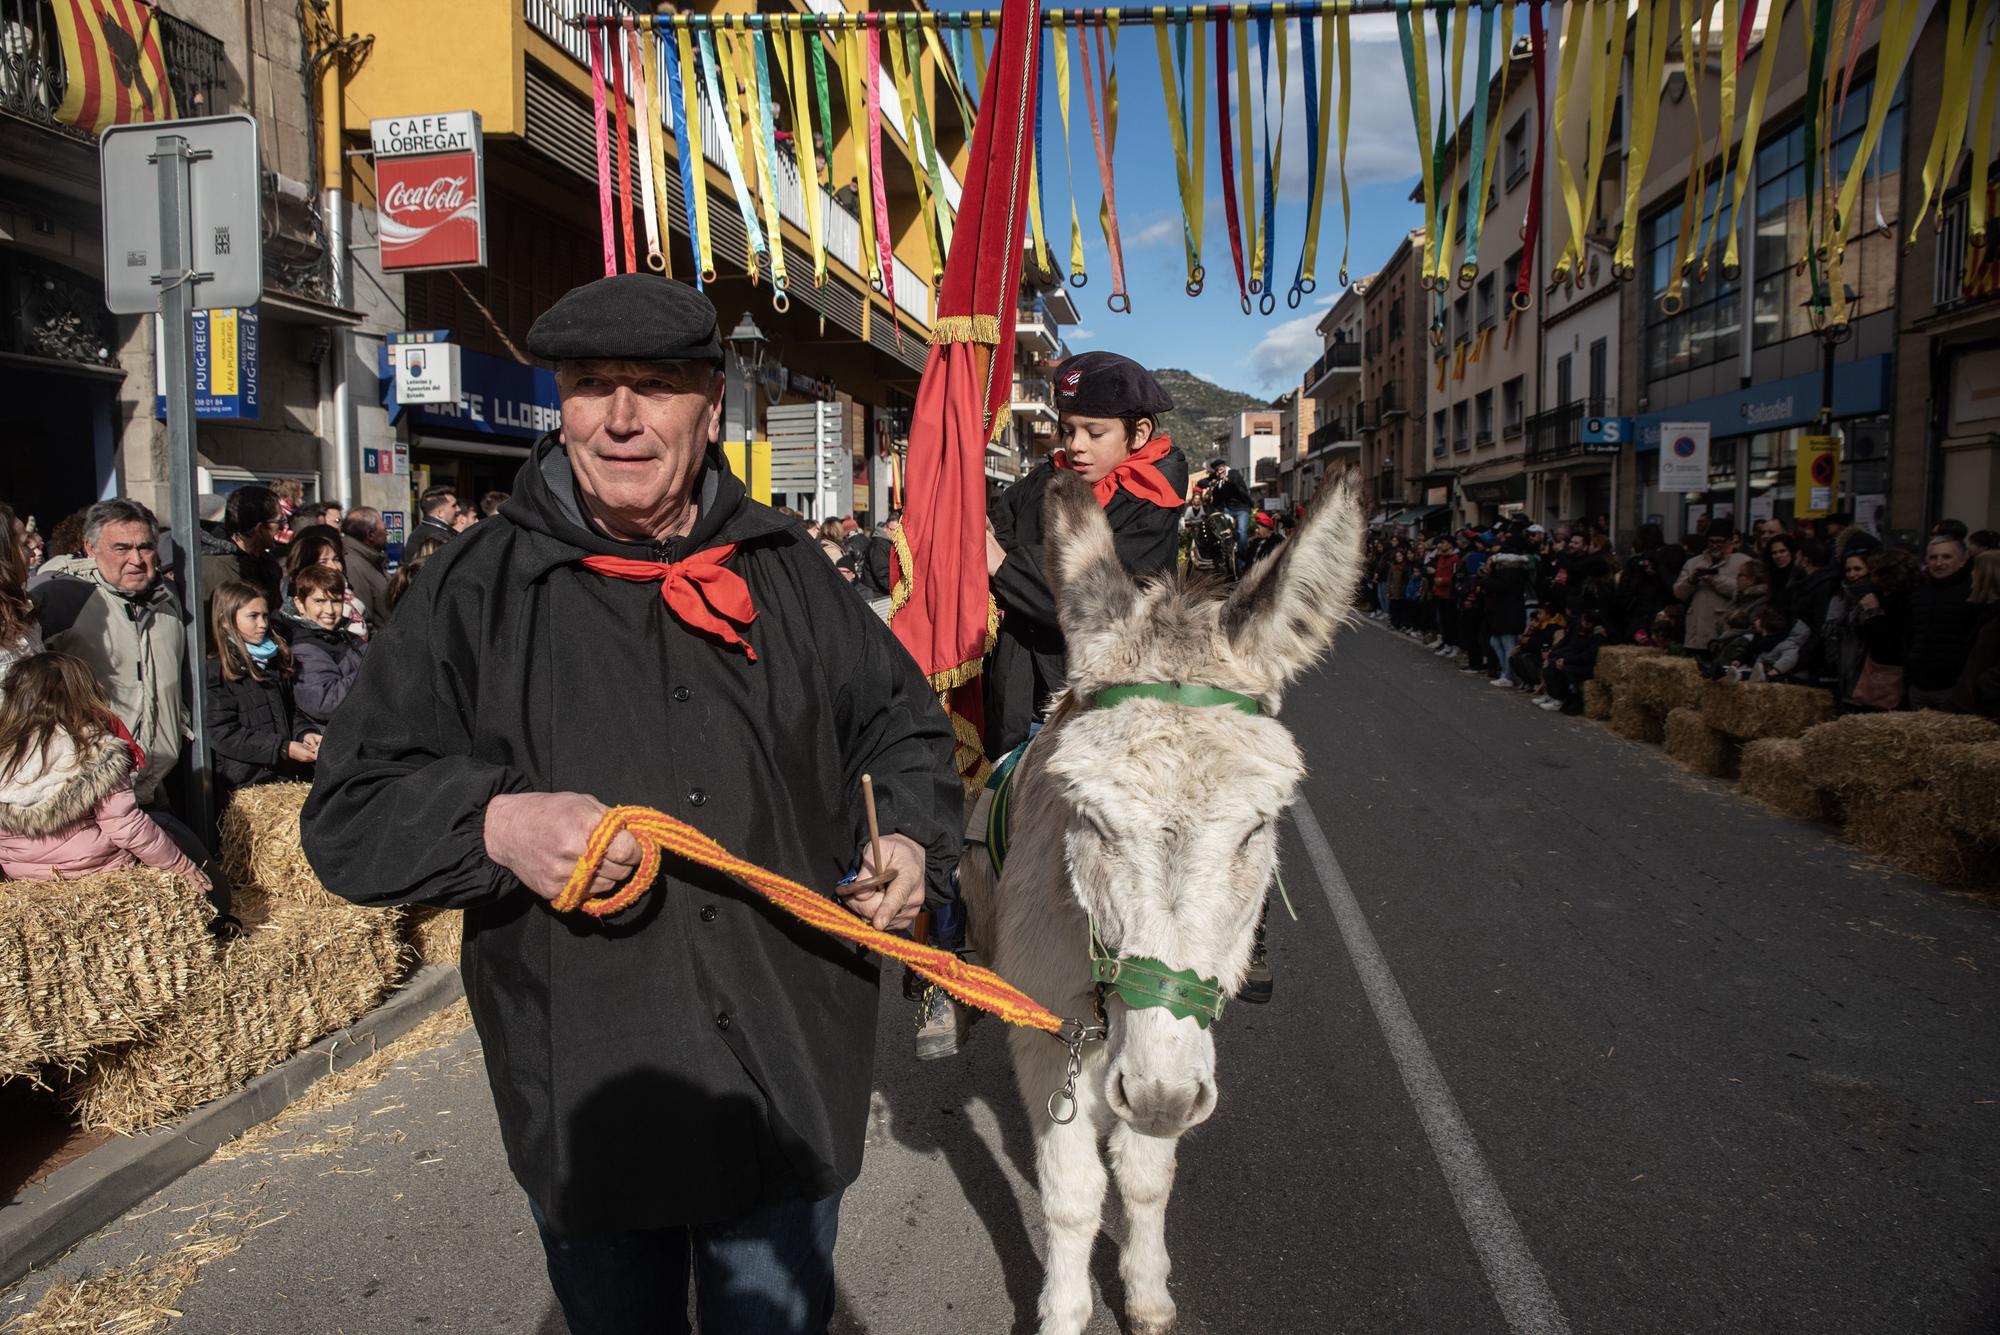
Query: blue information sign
[[226, 369]]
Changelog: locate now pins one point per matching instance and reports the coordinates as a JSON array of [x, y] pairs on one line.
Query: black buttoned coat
[[699, 1053]]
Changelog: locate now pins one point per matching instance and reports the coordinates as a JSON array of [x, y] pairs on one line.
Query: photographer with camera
[[1708, 584]]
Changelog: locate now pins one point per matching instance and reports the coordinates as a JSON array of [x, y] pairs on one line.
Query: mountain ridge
[[1202, 411]]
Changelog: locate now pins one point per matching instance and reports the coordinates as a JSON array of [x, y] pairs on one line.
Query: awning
[[1416, 514]]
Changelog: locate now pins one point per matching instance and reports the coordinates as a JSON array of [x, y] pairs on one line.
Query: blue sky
[[1209, 334]]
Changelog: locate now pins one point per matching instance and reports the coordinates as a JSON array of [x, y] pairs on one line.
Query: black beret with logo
[[1104, 384], [628, 317]]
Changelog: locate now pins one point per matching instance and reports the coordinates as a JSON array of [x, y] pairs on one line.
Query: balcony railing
[[843, 227], [1337, 357], [1034, 395], [1391, 402], [1332, 433], [1558, 433], [33, 81]]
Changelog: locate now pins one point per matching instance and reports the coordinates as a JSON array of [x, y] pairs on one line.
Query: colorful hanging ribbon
[[1941, 161], [1346, 88], [1531, 230], [767, 170], [871, 72], [1753, 124], [858, 146], [1448, 142], [1606, 75], [684, 86], [617, 72], [598, 38], [1416, 74], [1059, 36], [900, 53], [789, 52], [1188, 176], [1575, 16], [1982, 143], [940, 205], [1649, 51], [731, 145], [1317, 85], [1104, 135], [1036, 228], [1224, 144], [1892, 52], [1246, 164], [1475, 209], [646, 108], [1273, 159]]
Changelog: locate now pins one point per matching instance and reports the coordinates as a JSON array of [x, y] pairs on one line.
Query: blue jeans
[[1503, 649], [770, 1272]]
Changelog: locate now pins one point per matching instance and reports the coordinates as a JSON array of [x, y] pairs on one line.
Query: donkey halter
[[1141, 981]]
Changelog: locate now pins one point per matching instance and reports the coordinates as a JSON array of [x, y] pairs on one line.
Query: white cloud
[[1284, 353], [1161, 231], [1078, 334]]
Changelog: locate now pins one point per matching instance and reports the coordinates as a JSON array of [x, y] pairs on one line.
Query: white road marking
[[1523, 1292]]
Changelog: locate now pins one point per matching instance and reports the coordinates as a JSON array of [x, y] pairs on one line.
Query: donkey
[[1124, 848]]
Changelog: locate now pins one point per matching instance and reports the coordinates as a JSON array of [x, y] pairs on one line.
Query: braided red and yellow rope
[[658, 833]]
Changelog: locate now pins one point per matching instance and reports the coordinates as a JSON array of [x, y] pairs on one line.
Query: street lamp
[[747, 342]]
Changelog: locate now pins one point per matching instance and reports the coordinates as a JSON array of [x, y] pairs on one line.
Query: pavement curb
[[47, 1219]]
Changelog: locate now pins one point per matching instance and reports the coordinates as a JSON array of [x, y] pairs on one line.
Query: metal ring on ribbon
[[1293, 297], [1521, 300], [779, 301], [1671, 304], [1467, 275], [1256, 285], [1343, 277], [1244, 301], [708, 275], [1267, 303], [1623, 272], [656, 261], [1195, 281], [1078, 279], [1116, 297], [1307, 286], [1731, 272], [1437, 337]]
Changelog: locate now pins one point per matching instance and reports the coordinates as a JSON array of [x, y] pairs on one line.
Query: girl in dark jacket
[[324, 645], [252, 728]]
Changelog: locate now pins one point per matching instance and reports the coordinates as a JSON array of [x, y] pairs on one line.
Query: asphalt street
[[1565, 1040]]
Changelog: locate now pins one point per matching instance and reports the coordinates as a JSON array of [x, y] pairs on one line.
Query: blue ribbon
[[1312, 148], [1263, 282], [688, 150], [1475, 199]]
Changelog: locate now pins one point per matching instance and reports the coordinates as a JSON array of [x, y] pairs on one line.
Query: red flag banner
[[111, 53], [943, 609]]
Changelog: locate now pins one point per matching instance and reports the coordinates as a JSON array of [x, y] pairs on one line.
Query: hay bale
[[1904, 829], [1633, 721], [1596, 700], [1693, 743], [1661, 683], [1614, 659], [1865, 754], [260, 841], [1774, 771], [1748, 710], [436, 934], [93, 962], [303, 968], [1966, 780]]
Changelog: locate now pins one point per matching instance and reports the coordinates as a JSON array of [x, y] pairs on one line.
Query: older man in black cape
[[683, 1085]]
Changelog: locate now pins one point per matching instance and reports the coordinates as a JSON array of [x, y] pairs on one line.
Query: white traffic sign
[[225, 207]]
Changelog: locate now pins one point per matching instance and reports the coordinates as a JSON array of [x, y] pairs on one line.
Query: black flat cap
[[1104, 384], [628, 316]]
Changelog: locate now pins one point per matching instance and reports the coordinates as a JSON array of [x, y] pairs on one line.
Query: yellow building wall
[[408, 71]]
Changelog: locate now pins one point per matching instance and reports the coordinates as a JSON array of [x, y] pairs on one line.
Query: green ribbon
[[930, 158], [1475, 199], [1176, 693]]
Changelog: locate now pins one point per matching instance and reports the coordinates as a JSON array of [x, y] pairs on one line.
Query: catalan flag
[[117, 74]]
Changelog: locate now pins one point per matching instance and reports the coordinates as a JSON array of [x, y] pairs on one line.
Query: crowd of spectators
[[94, 700], [1884, 626]]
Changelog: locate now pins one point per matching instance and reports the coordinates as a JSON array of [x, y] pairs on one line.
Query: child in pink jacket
[[66, 803]]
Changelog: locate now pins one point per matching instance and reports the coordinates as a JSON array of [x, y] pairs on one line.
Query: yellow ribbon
[[1185, 173], [947, 73], [1711, 227], [1452, 222], [1059, 36], [1982, 141], [767, 188], [1691, 195], [1110, 118], [1949, 135], [1892, 52], [1494, 117], [1609, 63], [790, 50], [1420, 67], [1245, 162], [899, 70], [1573, 19], [857, 133], [649, 78], [1649, 49], [1346, 64], [1753, 123], [1318, 202]]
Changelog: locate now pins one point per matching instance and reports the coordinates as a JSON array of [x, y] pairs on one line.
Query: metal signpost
[[183, 230]]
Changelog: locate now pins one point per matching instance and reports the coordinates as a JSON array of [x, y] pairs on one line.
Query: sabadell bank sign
[[430, 189]]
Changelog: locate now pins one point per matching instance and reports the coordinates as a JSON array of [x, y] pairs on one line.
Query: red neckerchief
[[124, 734], [1138, 475], [697, 590]]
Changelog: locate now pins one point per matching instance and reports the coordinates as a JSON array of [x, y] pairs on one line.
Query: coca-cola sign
[[432, 203]]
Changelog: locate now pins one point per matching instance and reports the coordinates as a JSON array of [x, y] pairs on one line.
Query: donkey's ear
[[1080, 558], [1283, 614]]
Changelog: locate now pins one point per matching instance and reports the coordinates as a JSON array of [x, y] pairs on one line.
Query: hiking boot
[[940, 1025], [1256, 989]]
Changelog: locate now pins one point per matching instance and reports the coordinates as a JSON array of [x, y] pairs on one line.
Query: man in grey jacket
[[1708, 584], [110, 608], [367, 571]]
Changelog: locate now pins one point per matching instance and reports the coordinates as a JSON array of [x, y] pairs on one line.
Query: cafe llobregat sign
[[430, 187]]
